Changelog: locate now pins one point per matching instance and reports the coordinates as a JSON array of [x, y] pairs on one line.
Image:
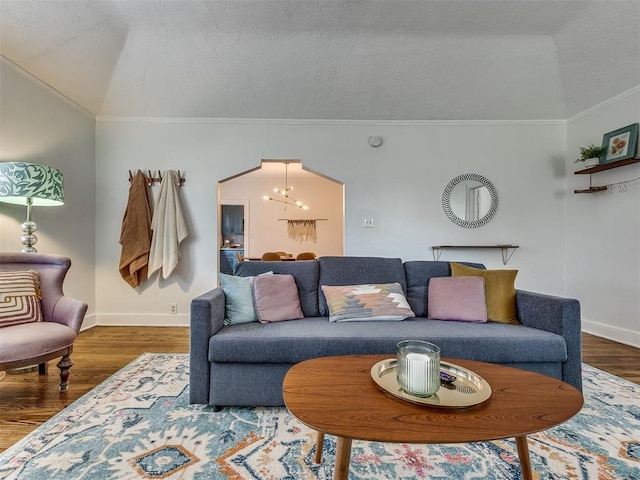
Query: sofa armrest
[[557, 315], [70, 312], [207, 317]]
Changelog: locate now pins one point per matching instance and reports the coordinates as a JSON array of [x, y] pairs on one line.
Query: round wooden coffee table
[[337, 396]]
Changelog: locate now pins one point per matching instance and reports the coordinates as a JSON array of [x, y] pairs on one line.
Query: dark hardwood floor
[[28, 400]]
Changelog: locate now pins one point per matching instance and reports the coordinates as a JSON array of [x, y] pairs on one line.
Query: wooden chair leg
[[42, 368], [64, 365]]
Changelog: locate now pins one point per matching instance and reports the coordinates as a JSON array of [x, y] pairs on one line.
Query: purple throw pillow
[[276, 298], [457, 298]]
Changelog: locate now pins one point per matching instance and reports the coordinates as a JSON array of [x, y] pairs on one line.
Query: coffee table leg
[[525, 461], [319, 445], [343, 458]]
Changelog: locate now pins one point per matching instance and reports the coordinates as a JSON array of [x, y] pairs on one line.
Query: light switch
[[368, 222]]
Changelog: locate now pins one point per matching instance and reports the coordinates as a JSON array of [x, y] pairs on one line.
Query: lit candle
[[423, 375]]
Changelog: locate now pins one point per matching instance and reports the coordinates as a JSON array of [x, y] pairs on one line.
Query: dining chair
[[306, 256], [271, 257]]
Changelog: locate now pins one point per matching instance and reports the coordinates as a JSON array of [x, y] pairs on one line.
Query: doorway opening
[[268, 196]]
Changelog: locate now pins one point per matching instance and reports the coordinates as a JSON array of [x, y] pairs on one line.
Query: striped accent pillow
[[19, 298]]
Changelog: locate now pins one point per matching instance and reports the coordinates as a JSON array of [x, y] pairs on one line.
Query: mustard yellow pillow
[[500, 290]]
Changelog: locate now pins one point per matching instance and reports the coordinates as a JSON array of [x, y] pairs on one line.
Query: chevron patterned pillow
[[19, 298], [350, 303]]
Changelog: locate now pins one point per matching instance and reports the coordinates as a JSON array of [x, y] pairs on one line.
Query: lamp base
[[28, 238]]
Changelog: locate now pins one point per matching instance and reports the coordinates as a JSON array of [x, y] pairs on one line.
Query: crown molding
[[293, 121], [621, 96]]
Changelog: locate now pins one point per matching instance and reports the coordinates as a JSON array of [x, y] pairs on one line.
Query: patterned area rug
[[139, 425]]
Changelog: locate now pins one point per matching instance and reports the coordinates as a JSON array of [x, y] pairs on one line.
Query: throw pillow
[[276, 298], [457, 298], [500, 291], [238, 299], [19, 298], [366, 302]]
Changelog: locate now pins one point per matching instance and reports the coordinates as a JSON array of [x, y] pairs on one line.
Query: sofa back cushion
[[418, 273], [305, 274], [358, 271]]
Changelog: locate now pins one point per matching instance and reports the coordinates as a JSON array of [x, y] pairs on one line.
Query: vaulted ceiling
[[328, 59]]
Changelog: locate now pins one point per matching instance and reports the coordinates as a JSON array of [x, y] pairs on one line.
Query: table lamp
[[30, 184]]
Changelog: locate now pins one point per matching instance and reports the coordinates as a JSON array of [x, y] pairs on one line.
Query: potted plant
[[590, 155]]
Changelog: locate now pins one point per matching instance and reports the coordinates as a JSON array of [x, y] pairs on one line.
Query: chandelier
[[287, 199]]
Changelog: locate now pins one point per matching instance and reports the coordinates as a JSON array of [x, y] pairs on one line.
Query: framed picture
[[620, 144]]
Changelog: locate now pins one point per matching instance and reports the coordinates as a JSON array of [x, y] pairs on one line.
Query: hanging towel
[[169, 228], [135, 235]]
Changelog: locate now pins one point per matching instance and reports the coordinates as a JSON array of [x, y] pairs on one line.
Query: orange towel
[[135, 236]]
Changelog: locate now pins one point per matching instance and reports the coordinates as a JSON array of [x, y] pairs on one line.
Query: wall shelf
[[607, 166], [507, 250], [602, 168]]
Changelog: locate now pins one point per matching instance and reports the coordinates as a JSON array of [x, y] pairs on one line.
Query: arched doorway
[[270, 225]]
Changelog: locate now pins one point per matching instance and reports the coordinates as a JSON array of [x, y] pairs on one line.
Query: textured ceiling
[[328, 59]]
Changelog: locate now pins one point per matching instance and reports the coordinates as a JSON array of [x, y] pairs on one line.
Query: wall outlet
[[173, 308], [367, 222]]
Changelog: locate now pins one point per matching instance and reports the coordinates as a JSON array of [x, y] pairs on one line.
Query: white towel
[[169, 228]]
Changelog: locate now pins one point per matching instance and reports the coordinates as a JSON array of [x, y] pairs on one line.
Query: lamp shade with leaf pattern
[[30, 184]]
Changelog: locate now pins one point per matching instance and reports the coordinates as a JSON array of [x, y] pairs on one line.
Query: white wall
[[399, 184], [583, 246], [269, 234], [39, 126], [603, 230]]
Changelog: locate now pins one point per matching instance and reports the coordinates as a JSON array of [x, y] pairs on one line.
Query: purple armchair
[[39, 342]]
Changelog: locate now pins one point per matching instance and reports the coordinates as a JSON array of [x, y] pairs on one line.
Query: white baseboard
[[142, 320], [620, 335], [88, 322]]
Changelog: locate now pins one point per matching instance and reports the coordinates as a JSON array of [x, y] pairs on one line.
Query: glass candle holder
[[418, 369]]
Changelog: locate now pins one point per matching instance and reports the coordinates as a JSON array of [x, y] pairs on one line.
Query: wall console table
[[507, 250], [601, 168]]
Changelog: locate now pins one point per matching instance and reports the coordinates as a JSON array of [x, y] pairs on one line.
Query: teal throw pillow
[[238, 293]]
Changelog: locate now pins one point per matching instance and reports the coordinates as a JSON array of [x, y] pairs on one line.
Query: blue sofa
[[244, 364]]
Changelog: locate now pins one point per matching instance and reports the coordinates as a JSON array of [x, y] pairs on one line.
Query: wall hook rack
[[157, 179]]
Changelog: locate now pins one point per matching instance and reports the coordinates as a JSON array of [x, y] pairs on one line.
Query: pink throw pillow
[[276, 298], [457, 298]]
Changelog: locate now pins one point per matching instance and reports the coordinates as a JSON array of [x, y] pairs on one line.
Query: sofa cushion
[[304, 273], [349, 303], [358, 271], [276, 298], [292, 342], [500, 290], [457, 298], [19, 297], [418, 273]]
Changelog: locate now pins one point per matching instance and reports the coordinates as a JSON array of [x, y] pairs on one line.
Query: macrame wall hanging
[[302, 230]]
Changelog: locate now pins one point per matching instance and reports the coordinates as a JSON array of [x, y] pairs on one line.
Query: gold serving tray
[[468, 389]]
